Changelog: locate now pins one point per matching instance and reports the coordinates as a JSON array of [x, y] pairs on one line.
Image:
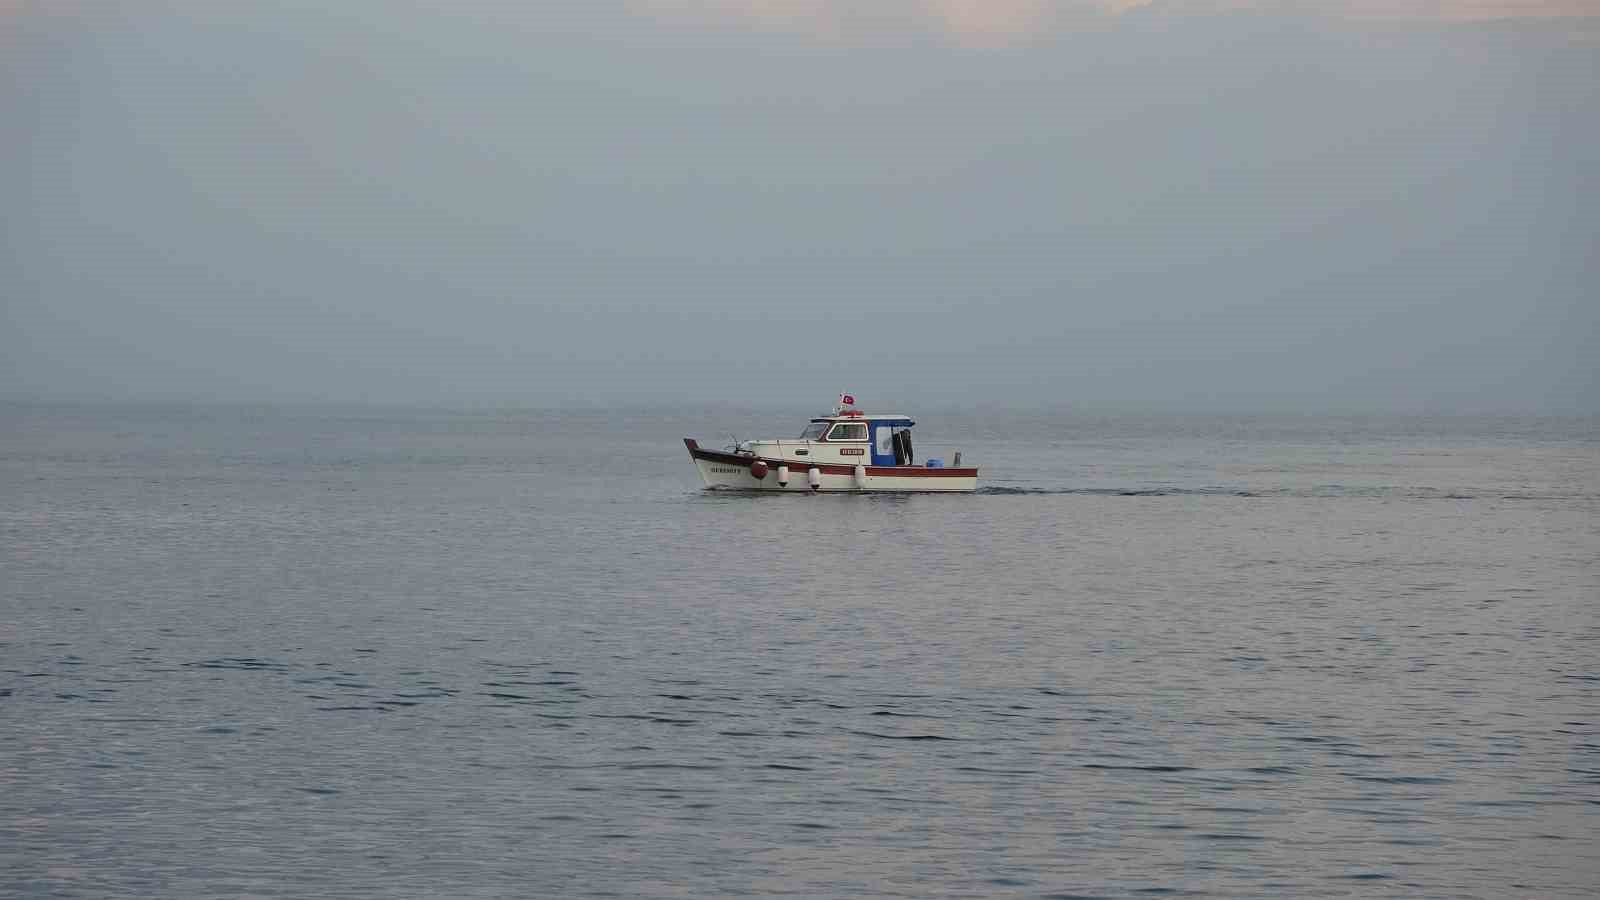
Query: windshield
[[813, 431]]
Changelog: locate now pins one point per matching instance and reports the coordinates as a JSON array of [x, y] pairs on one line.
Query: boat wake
[[1119, 492], [1319, 491]]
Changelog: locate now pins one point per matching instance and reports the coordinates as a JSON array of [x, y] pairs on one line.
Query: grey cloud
[[1262, 211]]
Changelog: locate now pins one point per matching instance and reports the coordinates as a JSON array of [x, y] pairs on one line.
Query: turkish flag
[[847, 400]]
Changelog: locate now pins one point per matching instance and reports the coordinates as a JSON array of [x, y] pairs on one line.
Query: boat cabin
[[887, 437]]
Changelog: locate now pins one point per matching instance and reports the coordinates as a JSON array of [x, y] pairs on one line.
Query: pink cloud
[[967, 22], [987, 19], [1005, 21], [974, 21], [1469, 10]]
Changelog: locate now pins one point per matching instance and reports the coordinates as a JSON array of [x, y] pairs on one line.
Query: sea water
[[408, 653]]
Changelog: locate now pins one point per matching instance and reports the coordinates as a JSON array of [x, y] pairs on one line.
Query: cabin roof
[[865, 417]]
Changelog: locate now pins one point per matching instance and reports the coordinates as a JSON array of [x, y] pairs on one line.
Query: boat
[[846, 451]]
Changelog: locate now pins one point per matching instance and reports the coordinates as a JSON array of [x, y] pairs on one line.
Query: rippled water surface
[[382, 653]]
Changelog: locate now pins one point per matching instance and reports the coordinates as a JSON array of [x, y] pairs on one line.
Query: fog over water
[[1175, 207]]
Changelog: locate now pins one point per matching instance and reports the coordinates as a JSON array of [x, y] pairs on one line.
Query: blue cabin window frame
[[883, 447]]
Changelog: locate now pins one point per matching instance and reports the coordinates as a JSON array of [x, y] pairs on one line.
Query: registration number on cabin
[[852, 451]]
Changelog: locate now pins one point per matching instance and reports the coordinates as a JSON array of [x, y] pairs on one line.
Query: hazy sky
[[1210, 204]]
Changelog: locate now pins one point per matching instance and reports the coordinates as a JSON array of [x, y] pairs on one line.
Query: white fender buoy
[[814, 478], [783, 475], [861, 477]]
